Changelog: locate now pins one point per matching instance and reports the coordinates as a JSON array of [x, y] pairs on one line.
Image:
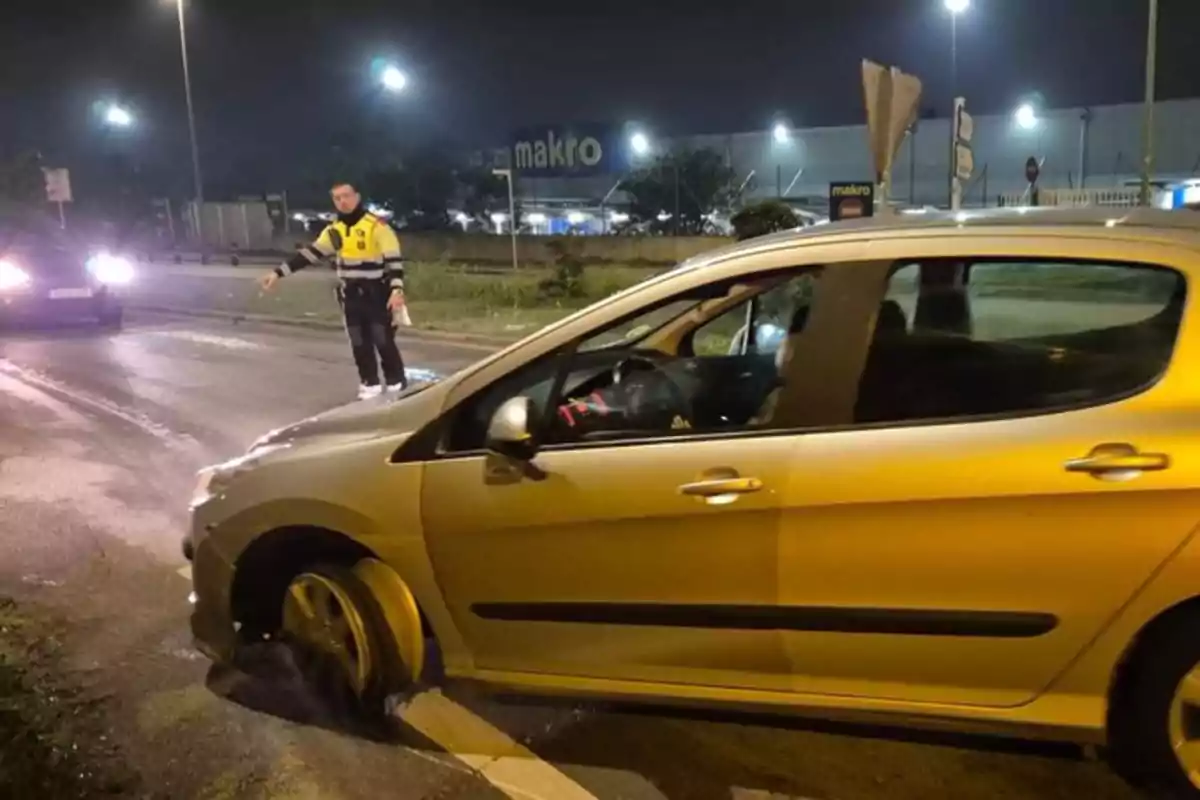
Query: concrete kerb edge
[[486, 343]]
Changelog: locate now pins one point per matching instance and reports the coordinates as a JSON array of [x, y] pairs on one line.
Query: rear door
[[1010, 479]]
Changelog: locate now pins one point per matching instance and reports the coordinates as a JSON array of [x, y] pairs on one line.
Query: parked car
[[963, 493], [46, 276]]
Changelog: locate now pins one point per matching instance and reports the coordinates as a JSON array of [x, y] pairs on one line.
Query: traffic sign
[[965, 123], [964, 162], [1032, 169], [58, 184], [891, 98]]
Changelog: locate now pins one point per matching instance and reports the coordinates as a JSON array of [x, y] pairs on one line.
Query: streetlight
[[955, 7], [197, 180], [1026, 116], [640, 143], [1148, 122], [393, 79], [512, 210], [782, 135], [118, 117]]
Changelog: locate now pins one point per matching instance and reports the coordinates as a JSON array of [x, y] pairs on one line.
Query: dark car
[[48, 277]]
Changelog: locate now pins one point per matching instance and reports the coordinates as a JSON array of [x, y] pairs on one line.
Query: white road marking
[[101, 404], [485, 750], [488, 751], [228, 342], [66, 415]]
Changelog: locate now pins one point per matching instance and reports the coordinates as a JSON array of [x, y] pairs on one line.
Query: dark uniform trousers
[[371, 329]]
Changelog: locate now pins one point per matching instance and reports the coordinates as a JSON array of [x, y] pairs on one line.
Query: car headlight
[[110, 269], [212, 481], [12, 276]]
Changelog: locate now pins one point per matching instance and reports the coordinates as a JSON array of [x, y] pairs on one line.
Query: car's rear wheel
[[1155, 733], [339, 635]]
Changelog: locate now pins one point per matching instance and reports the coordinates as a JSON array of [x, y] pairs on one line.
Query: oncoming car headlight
[[110, 269], [12, 276]]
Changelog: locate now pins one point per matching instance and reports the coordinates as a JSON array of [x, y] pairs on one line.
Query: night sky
[[278, 81]]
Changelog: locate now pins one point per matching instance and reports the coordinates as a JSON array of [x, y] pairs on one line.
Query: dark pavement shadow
[[268, 680], [54, 331]]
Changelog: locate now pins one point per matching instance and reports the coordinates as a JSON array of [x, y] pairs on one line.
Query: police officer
[[370, 269]]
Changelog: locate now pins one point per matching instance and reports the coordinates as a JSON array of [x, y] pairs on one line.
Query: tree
[[22, 185], [762, 218], [482, 193], [418, 192], [688, 185]]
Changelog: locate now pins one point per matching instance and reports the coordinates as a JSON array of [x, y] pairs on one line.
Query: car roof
[[1182, 227]]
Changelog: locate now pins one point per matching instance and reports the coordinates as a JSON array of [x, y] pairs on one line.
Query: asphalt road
[[100, 438]]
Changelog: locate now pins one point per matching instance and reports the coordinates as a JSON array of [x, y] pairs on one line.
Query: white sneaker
[[366, 392], [397, 387]]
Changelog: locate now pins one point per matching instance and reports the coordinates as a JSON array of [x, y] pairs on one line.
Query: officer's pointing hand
[[268, 281]]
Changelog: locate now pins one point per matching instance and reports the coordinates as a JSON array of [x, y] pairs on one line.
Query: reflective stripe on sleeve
[[360, 274]]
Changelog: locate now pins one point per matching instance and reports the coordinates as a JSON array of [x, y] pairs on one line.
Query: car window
[[615, 389], [957, 339], [634, 330], [761, 324]]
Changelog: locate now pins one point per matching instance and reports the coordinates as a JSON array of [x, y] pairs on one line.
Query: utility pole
[[1148, 124], [512, 210], [197, 180]]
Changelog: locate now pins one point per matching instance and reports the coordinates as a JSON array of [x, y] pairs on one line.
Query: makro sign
[[851, 200], [565, 151]]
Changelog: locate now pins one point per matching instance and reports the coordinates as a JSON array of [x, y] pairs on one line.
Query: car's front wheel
[[1155, 722], [339, 635]]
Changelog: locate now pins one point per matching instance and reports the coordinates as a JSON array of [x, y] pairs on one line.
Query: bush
[[762, 218], [567, 272]]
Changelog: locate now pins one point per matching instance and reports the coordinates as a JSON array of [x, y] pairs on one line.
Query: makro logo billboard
[[557, 150]]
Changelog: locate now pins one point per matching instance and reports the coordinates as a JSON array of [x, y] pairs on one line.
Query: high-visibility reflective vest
[[363, 246]]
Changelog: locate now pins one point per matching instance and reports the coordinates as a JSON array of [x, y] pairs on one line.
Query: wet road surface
[[101, 437]]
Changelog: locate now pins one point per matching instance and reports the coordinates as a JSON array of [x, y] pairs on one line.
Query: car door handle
[[719, 487], [1124, 460]]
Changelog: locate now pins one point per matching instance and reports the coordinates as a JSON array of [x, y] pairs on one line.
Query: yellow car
[[942, 470]]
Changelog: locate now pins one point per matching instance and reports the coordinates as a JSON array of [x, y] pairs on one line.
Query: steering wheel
[[639, 376]]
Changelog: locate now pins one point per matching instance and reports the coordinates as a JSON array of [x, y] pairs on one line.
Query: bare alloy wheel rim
[[1184, 725], [319, 615]]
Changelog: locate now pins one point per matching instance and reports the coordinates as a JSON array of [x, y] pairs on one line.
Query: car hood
[[387, 415]]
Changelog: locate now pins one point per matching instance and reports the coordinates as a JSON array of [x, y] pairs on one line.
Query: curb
[[487, 343]]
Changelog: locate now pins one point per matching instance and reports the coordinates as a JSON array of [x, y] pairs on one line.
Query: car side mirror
[[510, 431]]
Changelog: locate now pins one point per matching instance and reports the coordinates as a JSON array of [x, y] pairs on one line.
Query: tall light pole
[[512, 210], [197, 180], [955, 7], [1148, 124]]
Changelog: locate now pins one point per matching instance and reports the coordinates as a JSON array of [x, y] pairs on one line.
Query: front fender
[[398, 543]]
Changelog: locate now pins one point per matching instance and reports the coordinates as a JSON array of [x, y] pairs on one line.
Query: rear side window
[[961, 339]]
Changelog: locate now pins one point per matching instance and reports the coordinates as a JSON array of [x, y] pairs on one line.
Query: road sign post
[[1032, 171], [892, 98], [58, 190], [962, 158]]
